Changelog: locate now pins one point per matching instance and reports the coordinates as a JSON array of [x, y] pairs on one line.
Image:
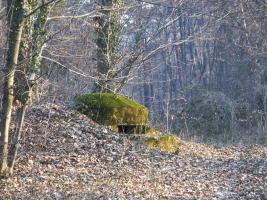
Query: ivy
[[109, 32]]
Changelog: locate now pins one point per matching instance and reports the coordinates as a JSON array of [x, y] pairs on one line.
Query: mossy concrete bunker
[[119, 112]]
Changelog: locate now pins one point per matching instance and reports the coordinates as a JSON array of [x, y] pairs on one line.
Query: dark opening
[[131, 129]]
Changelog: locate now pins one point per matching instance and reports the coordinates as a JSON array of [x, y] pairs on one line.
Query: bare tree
[[16, 20], [19, 13]]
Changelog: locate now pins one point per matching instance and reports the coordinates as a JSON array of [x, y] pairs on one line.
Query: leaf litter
[[65, 155]]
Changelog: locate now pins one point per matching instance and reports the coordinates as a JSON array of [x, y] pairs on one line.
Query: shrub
[[207, 113]]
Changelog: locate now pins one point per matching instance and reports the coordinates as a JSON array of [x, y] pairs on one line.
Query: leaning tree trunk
[[38, 37], [16, 20]]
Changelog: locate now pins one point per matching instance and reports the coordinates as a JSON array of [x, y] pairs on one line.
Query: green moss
[[108, 100], [113, 110], [167, 143], [151, 131], [152, 142]]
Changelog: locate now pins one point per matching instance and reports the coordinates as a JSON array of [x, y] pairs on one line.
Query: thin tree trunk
[[14, 39], [16, 144], [38, 42]]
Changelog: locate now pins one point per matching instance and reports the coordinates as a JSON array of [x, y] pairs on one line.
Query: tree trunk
[[108, 38], [16, 20], [14, 148], [39, 37]]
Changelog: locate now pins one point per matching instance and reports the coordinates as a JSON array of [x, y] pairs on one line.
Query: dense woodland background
[[199, 66]]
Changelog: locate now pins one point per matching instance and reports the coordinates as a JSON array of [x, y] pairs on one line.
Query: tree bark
[[16, 144], [16, 19], [108, 38], [38, 37]]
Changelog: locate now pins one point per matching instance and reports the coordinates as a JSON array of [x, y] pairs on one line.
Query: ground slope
[[66, 156]]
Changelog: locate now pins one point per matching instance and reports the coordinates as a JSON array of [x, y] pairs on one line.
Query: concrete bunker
[[119, 112]]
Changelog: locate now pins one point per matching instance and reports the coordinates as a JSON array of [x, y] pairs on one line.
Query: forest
[[133, 99]]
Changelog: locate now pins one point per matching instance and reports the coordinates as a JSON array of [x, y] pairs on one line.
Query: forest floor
[[65, 155]]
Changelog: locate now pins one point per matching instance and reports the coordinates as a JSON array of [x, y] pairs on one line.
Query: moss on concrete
[[113, 110]]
